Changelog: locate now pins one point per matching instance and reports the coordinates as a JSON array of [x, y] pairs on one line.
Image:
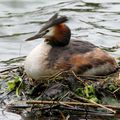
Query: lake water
[[97, 21]]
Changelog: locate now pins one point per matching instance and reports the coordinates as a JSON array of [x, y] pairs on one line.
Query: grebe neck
[[61, 36]]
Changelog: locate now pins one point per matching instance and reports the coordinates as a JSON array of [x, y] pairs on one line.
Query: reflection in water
[[97, 22]]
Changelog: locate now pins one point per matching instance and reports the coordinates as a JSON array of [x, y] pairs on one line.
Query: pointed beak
[[38, 35]]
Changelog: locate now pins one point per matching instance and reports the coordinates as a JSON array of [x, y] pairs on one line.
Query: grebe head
[[55, 32]]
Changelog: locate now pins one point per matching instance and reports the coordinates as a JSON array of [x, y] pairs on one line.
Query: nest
[[64, 95]]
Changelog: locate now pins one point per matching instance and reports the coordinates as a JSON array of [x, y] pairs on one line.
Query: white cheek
[[51, 32]]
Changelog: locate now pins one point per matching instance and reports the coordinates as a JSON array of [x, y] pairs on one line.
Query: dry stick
[[62, 115], [12, 107], [71, 103], [102, 106], [53, 76], [91, 101], [83, 111], [8, 69], [64, 96], [116, 90], [57, 74], [51, 102], [77, 78]]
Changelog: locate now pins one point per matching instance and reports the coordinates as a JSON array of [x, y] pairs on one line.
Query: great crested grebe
[[59, 53]]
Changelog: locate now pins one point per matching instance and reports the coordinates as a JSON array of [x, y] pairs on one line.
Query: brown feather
[[80, 57]]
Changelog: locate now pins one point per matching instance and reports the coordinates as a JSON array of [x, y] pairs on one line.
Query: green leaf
[[17, 92], [94, 98], [80, 91], [112, 87], [19, 87], [11, 85], [15, 84], [89, 90]]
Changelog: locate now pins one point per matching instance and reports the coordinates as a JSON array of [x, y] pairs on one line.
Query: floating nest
[[64, 96]]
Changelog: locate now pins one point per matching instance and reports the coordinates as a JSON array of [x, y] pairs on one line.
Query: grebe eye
[[47, 31]]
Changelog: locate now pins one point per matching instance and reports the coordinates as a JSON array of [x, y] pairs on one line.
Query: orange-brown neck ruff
[[61, 36]]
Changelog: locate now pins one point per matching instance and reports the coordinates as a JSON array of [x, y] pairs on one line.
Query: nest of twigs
[[64, 95]]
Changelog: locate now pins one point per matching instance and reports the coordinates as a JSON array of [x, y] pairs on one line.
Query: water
[[97, 21]]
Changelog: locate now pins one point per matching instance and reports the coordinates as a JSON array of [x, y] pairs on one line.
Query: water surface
[[97, 21]]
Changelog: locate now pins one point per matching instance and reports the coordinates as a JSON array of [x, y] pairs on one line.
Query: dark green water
[[97, 21]]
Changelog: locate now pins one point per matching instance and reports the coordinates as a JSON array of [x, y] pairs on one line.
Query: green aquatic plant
[[15, 84], [88, 92], [112, 87]]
